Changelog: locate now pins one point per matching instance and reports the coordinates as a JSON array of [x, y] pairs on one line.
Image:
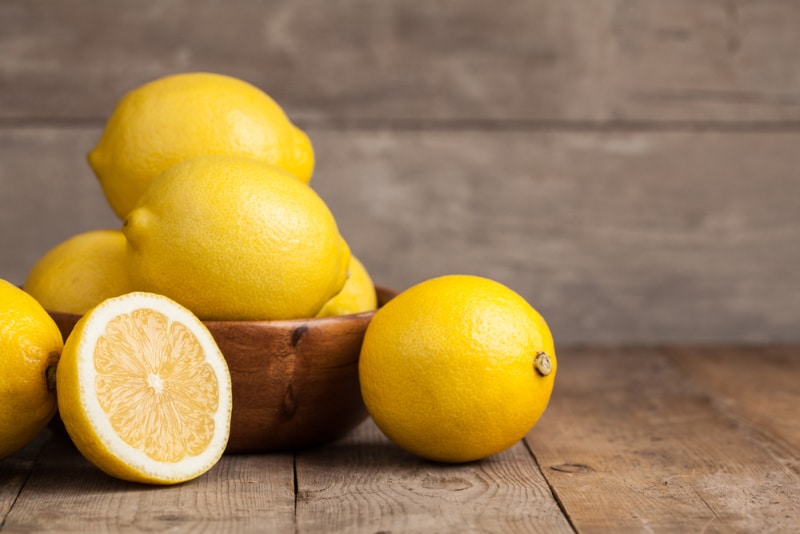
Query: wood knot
[[446, 483], [571, 468], [288, 405], [298, 333], [173, 518]]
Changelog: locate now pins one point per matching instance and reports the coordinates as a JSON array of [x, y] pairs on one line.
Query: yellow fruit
[[457, 368], [143, 390], [357, 295], [232, 238], [79, 273], [30, 343], [182, 116]]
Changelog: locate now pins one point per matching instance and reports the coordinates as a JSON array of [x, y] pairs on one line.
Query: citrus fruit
[[143, 390], [233, 238], [457, 368], [30, 343], [178, 117], [357, 295], [79, 273]]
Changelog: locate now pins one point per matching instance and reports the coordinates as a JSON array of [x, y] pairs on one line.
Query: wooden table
[[636, 439]]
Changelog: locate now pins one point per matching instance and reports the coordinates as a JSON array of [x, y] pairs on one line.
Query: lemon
[[357, 295], [457, 368], [178, 117], [79, 273], [143, 390], [233, 238], [30, 343]]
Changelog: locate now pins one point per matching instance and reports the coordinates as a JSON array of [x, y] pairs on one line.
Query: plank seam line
[[16, 498], [552, 488], [294, 475], [547, 125], [468, 124]]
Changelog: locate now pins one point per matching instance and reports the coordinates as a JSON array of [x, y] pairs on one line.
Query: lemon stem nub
[[542, 364], [50, 377]]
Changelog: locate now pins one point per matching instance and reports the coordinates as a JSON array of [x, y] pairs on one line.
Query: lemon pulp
[[154, 385]]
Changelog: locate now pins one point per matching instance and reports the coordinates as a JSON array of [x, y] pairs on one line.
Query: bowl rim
[[384, 294]]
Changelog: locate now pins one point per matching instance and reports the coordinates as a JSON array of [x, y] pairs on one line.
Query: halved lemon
[[144, 391]]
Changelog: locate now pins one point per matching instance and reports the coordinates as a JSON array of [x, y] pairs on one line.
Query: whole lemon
[[357, 295], [457, 368], [30, 343], [178, 117], [79, 273], [233, 238]]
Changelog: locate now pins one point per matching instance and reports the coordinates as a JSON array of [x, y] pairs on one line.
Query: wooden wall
[[629, 166]]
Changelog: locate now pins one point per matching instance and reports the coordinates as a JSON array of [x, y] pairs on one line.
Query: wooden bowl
[[295, 383]]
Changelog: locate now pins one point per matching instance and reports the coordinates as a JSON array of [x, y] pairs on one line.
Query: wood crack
[[296, 490], [553, 490]]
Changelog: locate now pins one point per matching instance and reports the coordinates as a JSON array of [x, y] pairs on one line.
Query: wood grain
[[631, 443], [758, 387], [637, 439], [14, 473], [366, 484], [683, 61], [630, 237], [48, 193], [65, 493], [627, 237]]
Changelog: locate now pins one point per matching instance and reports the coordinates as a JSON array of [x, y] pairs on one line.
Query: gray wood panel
[[465, 61], [47, 194], [629, 166], [614, 237]]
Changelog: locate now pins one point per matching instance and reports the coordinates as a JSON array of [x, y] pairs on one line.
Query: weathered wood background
[[629, 166]]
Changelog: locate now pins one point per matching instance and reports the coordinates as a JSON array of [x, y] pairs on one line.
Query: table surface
[[636, 439]]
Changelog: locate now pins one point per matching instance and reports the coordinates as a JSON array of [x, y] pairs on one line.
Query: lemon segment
[[144, 392]]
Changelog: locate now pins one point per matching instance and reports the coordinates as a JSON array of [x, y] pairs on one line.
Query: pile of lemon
[[211, 182]]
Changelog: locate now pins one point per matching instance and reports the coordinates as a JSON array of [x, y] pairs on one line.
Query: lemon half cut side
[[144, 391]]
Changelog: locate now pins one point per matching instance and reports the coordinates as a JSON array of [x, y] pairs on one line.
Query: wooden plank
[[695, 439], [615, 237], [356, 60], [14, 472], [629, 237], [47, 194], [757, 386], [67, 494], [630, 443], [366, 484]]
